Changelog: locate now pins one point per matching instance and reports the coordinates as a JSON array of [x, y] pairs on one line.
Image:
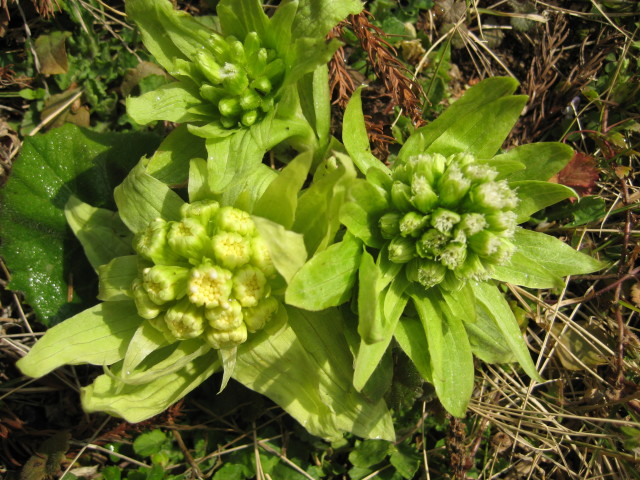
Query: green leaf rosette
[[428, 238], [243, 80], [200, 291]]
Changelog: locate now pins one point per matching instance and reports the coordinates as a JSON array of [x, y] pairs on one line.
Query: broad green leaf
[[498, 309], [327, 279], [115, 278], [541, 160], [100, 231], [474, 104], [149, 443], [412, 339], [167, 33], [279, 201], [406, 460], [520, 270], [287, 248], [142, 198], [553, 254], [535, 195], [170, 102], [170, 162], [305, 368], [45, 259], [317, 216], [486, 339], [369, 453], [136, 403], [354, 136], [97, 336]]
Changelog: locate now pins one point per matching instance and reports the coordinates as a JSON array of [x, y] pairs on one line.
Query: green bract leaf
[[315, 18], [412, 339], [520, 270], [135, 403], [363, 210], [169, 102], [145, 341], [535, 195], [317, 216], [450, 353], [98, 336], [304, 368], [286, 248], [279, 201], [498, 309], [100, 231], [553, 254], [115, 278], [37, 245], [354, 136], [478, 106], [327, 278], [541, 160], [487, 340], [142, 198]]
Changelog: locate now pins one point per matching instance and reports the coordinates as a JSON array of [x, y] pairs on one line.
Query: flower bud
[[250, 100], [146, 308], [151, 243], [493, 196], [479, 173], [188, 238], [255, 318], [226, 317], [164, 283], [160, 324], [212, 94], [400, 196], [234, 79], [262, 84], [184, 320], [426, 272], [261, 257], [274, 69], [453, 186], [249, 285], [389, 224], [472, 269], [231, 219], [401, 250], [218, 46], [202, 211], [424, 198], [219, 339], [209, 285], [472, 223], [453, 255], [431, 243], [251, 44], [412, 224], [430, 166], [484, 243], [209, 67], [249, 118], [444, 220], [229, 107], [504, 222], [231, 249]]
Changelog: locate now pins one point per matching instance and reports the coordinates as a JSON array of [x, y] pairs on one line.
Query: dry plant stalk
[[385, 64]]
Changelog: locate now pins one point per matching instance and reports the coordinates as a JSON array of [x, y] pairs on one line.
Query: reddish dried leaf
[[581, 173]]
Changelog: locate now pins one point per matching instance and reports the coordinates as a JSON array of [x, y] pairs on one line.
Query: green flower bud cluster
[[451, 220], [238, 78], [206, 275]]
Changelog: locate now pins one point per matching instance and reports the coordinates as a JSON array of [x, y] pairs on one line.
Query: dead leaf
[[575, 350], [52, 53], [134, 75], [75, 113], [581, 174]]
